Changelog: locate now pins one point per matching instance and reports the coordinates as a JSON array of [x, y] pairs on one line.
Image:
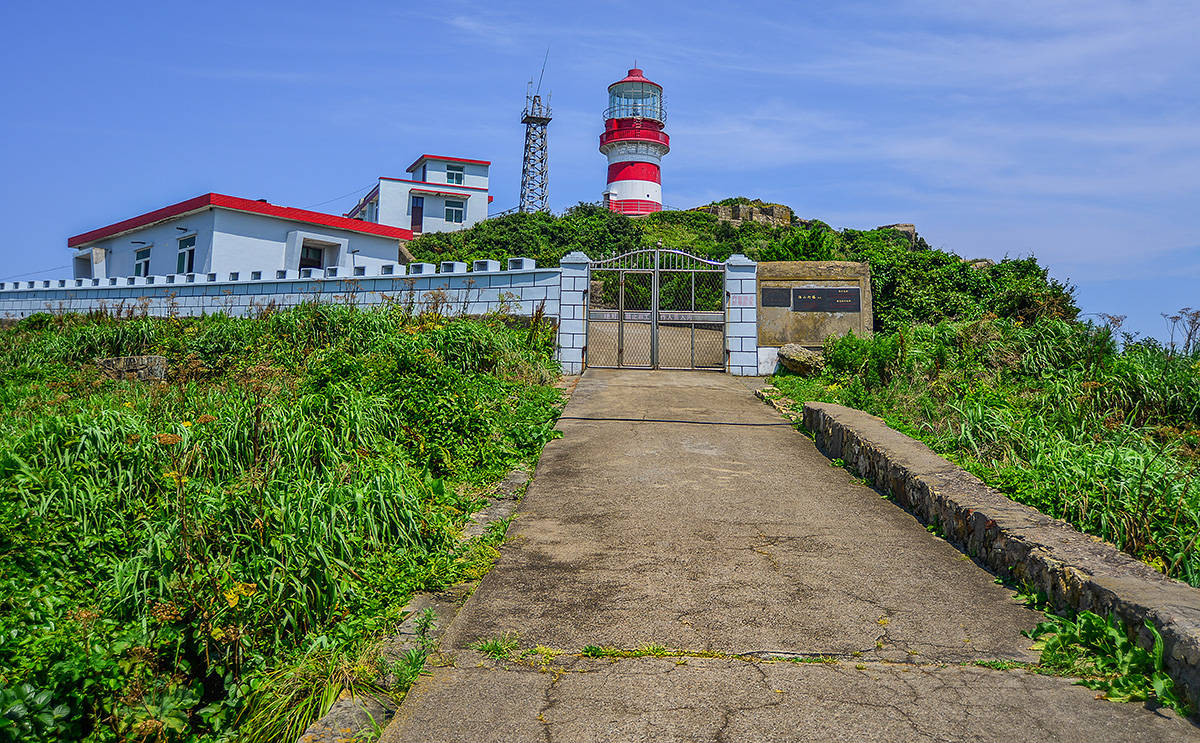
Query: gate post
[[572, 316], [654, 284], [741, 316]]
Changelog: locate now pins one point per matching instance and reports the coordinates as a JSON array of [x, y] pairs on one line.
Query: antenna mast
[[535, 168]]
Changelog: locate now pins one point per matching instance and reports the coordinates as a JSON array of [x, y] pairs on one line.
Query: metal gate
[[656, 309]]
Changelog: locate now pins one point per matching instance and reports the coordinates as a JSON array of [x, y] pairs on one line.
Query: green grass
[[1051, 414], [497, 647], [222, 551]]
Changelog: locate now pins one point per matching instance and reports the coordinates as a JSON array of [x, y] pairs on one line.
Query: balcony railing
[[636, 134], [636, 111]]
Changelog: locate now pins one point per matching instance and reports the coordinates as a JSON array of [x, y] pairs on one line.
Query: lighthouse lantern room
[[634, 143]]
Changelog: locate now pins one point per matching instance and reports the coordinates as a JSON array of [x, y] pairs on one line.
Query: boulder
[[796, 358]]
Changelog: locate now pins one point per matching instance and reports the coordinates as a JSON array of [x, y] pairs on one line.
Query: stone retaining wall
[[1075, 570]]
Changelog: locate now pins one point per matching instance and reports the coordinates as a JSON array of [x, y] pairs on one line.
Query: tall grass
[[171, 554], [1052, 414]]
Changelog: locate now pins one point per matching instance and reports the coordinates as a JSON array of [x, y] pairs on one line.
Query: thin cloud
[[247, 74]]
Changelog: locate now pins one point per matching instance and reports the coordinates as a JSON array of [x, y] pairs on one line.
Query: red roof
[[417, 162], [242, 205], [635, 76]]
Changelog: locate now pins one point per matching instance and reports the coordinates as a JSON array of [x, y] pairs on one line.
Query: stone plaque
[[776, 297], [826, 299]]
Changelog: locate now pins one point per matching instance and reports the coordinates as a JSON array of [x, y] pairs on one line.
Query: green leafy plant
[[1101, 653], [599, 651], [424, 626], [26, 713]]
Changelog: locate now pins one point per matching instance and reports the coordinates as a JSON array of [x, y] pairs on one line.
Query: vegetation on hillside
[[1053, 414], [744, 201], [911, 283], [182, 560]]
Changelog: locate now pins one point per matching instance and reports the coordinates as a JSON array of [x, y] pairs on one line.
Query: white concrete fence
[[519, 288]]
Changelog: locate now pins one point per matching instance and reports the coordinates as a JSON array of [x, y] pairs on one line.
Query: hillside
[[219, 555], [911, 281]]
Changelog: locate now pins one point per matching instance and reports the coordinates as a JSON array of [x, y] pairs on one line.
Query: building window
[[186, 261], [454, 174], [418, 214], [372, 211], [312, 257], [141, 262], [454, 211]]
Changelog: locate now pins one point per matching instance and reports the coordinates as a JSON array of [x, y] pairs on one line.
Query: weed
[[407, 668], [652, 649], [648, 650], [600, 651], [542, 654], [500, 647], [423, 626], [1101, 653], [820, 659], [1003, 665], [1026, 593]]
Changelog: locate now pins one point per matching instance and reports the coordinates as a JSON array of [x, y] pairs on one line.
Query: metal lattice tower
[[535, 168]]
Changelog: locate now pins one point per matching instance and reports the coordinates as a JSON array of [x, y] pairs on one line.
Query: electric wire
[[367, 187], [33, 273]]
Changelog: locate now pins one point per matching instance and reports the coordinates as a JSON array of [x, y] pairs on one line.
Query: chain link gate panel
[[656, 309]]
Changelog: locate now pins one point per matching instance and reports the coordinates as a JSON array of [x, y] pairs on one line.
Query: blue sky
[[1069, 130]]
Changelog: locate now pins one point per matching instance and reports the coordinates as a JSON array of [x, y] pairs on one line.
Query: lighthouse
[[634, 143]]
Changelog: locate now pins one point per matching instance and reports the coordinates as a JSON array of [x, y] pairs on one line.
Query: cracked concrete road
[[677, 510]]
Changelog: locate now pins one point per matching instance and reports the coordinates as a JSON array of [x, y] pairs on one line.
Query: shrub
[[1053, 414], [169, 551], [911, 282]]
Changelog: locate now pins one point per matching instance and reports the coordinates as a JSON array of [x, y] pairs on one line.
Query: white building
[[228, 235], [215, 233], [444, 194]]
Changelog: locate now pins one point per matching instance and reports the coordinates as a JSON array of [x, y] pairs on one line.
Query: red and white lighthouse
[[634, 142]]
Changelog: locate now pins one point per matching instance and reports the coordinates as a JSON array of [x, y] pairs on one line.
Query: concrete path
[[678, 511]]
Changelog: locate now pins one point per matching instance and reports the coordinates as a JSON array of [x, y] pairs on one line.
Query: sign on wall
[[827, 299], [806, 301]]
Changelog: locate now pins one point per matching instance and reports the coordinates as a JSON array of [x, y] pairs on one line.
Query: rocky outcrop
[[800, 360], [773, 214], [140, 368]]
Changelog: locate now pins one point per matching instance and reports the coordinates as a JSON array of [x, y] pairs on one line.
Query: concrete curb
[[1075, 570]]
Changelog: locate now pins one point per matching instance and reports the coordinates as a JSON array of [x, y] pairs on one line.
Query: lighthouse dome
[[635, 97]]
